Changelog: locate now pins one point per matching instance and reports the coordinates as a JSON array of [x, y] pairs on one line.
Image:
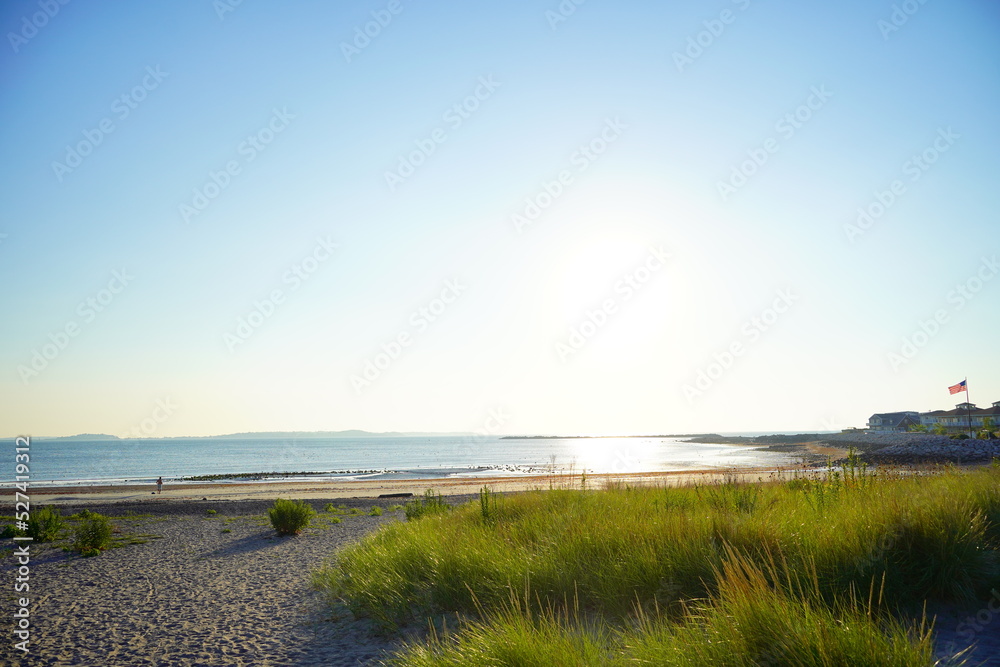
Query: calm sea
[[140, 461]]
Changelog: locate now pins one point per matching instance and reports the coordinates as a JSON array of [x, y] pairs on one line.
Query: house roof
[[894, 418], [962, 412]]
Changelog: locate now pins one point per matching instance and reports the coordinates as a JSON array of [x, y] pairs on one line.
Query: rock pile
[[916, 448]]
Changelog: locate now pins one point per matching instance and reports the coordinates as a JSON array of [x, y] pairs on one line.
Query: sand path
[[195, 596]]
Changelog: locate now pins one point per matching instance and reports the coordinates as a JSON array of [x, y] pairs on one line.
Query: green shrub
[[431, 503], [92, 535], [289, 517], [329, 508], [375, 511], [487, 503], [210, 512], [11, 531], [44, 524]]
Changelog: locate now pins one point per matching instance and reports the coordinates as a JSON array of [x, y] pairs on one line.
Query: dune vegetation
[[830, 569]]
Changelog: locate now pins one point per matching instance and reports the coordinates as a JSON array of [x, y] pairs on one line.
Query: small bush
[[375, 511], [210, 512], [289, 517], [11, 531], [431, 503], [92, 535], [487, 503], [329, 508], [44, 524]]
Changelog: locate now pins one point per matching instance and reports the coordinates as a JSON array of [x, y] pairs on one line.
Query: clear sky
[[525, 217]]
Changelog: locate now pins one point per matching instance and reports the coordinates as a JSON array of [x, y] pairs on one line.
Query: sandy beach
[[204, 589], [306, 490]]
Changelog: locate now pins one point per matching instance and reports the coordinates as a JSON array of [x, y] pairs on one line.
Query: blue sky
[[699, 267]]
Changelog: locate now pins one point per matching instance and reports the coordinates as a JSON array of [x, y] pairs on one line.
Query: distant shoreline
[[580, 437], [700, 438]]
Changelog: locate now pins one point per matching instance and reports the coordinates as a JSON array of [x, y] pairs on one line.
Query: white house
[[959, 418]]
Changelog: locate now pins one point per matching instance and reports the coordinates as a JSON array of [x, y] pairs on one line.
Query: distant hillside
[[81, 436], [352, 433]]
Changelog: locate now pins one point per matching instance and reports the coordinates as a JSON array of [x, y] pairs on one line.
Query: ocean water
[[59, 461]]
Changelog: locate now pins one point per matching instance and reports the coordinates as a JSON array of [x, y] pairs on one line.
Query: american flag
[[955, 388]]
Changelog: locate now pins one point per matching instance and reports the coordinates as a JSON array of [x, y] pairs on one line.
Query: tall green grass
[[623, 554], [749, 621]]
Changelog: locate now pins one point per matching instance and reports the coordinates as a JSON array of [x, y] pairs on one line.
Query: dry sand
[[195, 595]]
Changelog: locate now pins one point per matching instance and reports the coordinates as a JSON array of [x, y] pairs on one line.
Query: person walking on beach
[[159, 485]]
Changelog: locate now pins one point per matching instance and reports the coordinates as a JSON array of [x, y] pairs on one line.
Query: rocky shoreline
[[916, 448], [874, 448]]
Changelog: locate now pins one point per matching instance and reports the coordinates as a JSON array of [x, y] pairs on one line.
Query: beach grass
[[817, 566], [748, 621]]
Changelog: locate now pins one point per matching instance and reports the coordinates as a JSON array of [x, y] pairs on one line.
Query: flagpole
[[968, 404]]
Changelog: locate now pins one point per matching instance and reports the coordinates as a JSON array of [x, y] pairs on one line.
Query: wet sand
[[374, 488]]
